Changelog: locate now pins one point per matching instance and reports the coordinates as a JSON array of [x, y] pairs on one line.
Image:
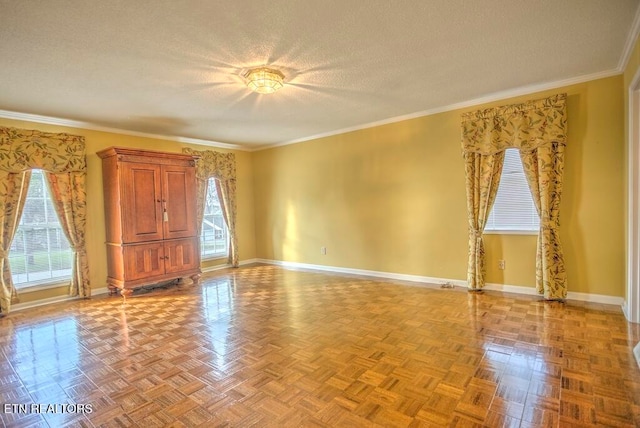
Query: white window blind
[[513, 210], [40, 252], [214, 240]]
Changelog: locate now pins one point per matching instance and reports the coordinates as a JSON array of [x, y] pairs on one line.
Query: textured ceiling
[[173, 67]]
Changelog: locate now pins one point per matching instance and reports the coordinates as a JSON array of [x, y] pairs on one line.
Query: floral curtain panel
[[538, 129], [69, 200], [482, 174], [544, 169], [23, 149], [13, 194], [63, 157], [523, 126], [222, 167], [227, 191]]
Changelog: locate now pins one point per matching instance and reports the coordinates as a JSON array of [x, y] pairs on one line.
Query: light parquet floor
[[265, 346]]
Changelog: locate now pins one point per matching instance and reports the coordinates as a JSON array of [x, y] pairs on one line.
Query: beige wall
[[392, 198], [96, 141]]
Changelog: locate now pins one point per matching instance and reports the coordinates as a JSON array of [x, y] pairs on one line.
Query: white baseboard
[[636, 353], [100, 291], [34, 304], [215, 268], [374, 273], [228, 265], [516, 289], [506, 288], [55, 299], [596, 298]]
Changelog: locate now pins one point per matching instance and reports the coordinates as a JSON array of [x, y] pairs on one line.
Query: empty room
[[320, 213]]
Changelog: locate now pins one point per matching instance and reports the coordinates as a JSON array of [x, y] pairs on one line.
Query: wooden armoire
[[150, 216]]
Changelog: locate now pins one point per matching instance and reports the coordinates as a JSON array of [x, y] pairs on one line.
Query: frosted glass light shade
[[264, 80]]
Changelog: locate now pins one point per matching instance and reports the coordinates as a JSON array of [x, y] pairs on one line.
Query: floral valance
[[23, 149], [523, 126], [214, 164]]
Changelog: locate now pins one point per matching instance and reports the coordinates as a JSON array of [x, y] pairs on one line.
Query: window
[[513, 210], [40, 252], [214, 241]]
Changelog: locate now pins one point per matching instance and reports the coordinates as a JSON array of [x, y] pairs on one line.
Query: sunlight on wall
[[290, 240], [392, 198]]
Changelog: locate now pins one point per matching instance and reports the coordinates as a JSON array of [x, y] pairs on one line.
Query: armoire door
[[144, 260], [141, 202], [179, 202], [181, 255]]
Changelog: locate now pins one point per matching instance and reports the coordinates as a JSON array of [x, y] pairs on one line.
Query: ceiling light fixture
[[264, 80]]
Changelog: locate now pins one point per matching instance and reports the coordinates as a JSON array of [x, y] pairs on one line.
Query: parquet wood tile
[[266, 346]]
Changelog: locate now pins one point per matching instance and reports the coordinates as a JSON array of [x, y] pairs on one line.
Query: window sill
[[510, 232], [43, 286]]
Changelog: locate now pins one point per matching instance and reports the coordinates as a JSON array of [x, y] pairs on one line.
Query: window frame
[[512, 231], [47, 283], [213, 256]]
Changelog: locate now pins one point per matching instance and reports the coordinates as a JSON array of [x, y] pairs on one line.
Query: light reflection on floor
[[217, 308], [44, 350]]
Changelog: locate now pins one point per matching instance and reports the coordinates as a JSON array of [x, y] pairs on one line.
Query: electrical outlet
[[323, 251], [501, 264]]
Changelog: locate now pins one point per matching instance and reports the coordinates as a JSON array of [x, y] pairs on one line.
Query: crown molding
[[6, 114], [496, 96]]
